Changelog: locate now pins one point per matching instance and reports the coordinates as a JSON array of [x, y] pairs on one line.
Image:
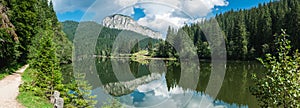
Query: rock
[[59, 103], [54, 97], [5, 22], [126, 87], [123, 22], [56, 100]]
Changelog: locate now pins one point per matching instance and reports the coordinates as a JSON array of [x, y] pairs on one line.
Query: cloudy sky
[[156, 14]]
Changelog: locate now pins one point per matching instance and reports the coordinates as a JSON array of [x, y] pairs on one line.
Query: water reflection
[[178, 88], [146, 96]]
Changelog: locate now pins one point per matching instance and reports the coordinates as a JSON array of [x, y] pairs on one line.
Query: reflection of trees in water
[[235, 88], [107, 75], [139, 70], [173, 74], [104, 68]]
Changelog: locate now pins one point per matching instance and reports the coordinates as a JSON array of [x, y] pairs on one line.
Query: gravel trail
[[9, 89]]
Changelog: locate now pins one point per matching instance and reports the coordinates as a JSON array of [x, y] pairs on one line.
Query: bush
[[279, 86], [27, 97], [79, 94]]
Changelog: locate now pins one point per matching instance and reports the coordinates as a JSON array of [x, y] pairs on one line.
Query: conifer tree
[[25, 17], [44, 59]]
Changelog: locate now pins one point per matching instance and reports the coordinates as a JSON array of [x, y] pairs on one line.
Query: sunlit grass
[[27, 98]]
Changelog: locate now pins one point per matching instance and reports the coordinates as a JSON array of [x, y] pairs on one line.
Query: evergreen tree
[[150, 47], [293, 23], [44, 59], [25, 17]]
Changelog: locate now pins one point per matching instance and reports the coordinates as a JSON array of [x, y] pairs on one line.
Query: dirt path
[[9, 89]]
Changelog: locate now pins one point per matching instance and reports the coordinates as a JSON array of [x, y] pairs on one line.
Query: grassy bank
[[143, 57], [27, 98], [5, 71]]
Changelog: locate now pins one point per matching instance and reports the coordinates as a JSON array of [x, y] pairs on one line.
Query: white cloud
[[162, 22], [123, 3], [159, 13]]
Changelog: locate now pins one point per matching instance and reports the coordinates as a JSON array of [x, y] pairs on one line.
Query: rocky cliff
[[122, 22], [5, 22]]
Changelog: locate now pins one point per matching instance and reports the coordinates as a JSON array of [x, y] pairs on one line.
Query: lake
[[163, 84]]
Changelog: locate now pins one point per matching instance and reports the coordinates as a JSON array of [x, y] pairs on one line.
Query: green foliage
[[31, 16], [25, 17], [279, 86], [63, 45], [8, 49], [135, 48], [113, 104], [9, 42], [248, 33], [29, 98], [42, 43], [164, 49], [9, 69], [78, 94], [43, 58], [252, 30]]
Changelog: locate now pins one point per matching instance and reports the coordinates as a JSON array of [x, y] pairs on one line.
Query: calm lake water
[[166, 90]]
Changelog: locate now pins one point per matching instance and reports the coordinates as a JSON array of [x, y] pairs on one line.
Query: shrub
[[280, 85]]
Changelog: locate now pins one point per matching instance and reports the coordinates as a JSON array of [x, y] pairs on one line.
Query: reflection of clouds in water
[[155, 94], [159, 87]]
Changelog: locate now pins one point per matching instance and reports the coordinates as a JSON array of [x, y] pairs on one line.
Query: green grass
[[2, 75], [5, 71], [27, 75], [141, 53], [27, 98], [143, 57]]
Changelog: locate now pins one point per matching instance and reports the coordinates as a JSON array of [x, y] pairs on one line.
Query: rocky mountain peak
[[123, 22]]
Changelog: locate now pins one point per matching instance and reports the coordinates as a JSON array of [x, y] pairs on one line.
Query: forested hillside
[[249, 33], [107, 38], [253, 29], [69, 27]]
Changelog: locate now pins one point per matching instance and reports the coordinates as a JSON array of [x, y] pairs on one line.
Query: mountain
[[107, 37], [123, 22], [69, 27]]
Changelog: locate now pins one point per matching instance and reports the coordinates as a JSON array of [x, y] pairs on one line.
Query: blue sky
[[240, 4], [77, 13], [155, 14]]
